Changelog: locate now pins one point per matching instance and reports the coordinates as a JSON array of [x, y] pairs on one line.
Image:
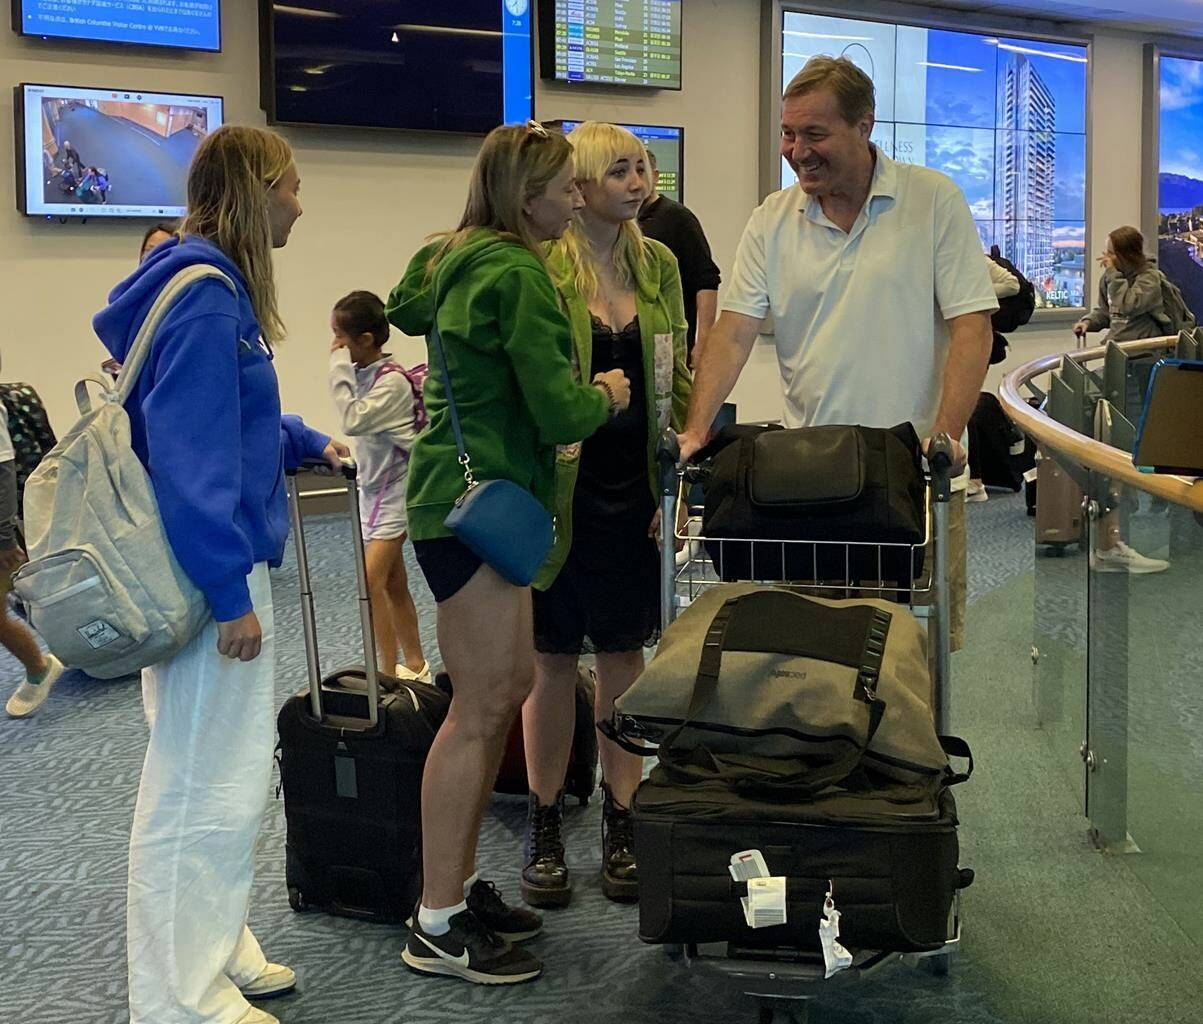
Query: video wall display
[[1005, 118], [107, 153], [180, 24], [665, 143], [612, 42], [1180, 177], [461, 67]]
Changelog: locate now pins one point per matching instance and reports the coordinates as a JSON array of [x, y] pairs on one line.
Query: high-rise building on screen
[[1025, 165]]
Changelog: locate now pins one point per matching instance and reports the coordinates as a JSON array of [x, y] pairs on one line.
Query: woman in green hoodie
[[508, 346], [600, 588]]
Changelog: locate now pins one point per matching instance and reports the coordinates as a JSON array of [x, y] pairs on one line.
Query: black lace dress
[[607, 596]]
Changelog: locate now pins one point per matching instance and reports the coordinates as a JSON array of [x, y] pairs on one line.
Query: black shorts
[[447, 565]]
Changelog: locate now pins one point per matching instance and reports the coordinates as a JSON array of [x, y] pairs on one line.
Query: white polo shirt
[[860, 317]]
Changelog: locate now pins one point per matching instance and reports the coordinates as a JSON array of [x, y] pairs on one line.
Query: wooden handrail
[[1094, 455]]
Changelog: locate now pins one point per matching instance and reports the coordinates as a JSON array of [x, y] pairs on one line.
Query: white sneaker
[[29, 696], [1123, 558], [976, 491], [410, 676], [274, 980], [256, 1016]]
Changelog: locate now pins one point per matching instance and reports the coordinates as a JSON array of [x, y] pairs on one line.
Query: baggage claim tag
[[764, 906], [835, 957]]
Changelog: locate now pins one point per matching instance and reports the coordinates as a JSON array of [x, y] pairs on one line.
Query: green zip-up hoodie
[[508, 353], [662, 331]]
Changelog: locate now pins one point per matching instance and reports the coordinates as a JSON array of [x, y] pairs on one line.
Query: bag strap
[[954, 746], [781, 622], [751, 772], [436, 339], [131, 366]]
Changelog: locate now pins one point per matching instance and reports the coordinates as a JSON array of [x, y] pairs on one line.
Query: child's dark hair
[[362, 313]]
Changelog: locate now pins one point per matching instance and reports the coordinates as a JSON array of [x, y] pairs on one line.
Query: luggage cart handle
[[939, 461], [668, 454]]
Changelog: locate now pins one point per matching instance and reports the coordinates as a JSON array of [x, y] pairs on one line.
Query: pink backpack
[[416, 375]]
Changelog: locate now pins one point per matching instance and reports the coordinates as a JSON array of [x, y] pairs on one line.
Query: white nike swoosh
[[462, 959]]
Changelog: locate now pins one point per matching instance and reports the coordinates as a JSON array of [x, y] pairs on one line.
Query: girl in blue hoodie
[[206, 423]]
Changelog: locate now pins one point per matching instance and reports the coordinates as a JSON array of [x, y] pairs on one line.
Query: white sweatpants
[[202, 796]]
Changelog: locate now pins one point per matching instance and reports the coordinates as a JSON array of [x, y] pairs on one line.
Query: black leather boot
[[545, 881], [620, 881]]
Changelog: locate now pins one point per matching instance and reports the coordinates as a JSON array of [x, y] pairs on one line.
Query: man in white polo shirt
[[873, 274]]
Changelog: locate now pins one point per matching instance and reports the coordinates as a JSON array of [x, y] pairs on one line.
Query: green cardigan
[[509, 354], [662, 329]]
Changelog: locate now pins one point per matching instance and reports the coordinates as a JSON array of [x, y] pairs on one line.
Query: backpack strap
[[131, 367]]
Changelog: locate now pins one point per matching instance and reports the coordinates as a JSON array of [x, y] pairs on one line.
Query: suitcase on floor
[[1058, 506], [351, 758], [581, 778], [887, 850]]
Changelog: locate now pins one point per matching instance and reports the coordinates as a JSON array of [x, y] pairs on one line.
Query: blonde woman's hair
[[514, 165], [595, 147], [232, 173]]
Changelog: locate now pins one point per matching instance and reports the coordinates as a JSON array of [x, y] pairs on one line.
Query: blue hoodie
[[206, 423]]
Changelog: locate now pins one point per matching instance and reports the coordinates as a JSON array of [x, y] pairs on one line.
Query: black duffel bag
[[842, 486]]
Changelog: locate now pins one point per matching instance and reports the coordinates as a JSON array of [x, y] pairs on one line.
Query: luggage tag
[[764, 906], [835, 957]]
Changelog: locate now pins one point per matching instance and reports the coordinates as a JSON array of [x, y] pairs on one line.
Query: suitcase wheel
[[296, 900]]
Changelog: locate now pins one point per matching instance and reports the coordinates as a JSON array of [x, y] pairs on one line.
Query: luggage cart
[[783, 984]]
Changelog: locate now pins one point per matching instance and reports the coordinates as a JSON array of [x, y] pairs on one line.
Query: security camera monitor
[[611, 42], [667, 146], [107, 152], [176, 24]]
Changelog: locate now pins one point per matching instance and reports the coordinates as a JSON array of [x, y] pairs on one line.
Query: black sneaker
[[510, 923], [470, 951]]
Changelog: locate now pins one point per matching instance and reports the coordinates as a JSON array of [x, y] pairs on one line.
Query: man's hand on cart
[[956, 452], [690, 444]]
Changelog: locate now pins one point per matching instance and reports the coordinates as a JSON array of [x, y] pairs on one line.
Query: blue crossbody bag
[[500, 522]]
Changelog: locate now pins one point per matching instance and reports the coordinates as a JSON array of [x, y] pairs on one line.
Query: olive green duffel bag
[[749, 672]]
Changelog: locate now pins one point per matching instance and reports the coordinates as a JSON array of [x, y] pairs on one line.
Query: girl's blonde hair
[[514, 165], [232, 173], [595, 147]]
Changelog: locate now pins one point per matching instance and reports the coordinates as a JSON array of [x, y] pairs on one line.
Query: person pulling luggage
[[205, 422], [599, 591]]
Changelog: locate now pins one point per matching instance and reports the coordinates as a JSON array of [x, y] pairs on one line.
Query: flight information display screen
[[612, 42]]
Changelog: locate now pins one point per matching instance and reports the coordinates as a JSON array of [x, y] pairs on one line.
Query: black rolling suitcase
[[890, 847], [352, 749]]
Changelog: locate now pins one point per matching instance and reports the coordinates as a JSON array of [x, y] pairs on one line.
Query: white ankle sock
[[438, 922], [468, 883]]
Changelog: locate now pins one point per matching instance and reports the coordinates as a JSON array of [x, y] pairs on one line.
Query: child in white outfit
[[381, 412]]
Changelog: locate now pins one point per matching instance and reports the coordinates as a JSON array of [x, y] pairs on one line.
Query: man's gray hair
[[853, 89]]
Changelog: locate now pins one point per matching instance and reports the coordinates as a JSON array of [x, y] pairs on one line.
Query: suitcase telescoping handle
[[308, 619], [668, 454]]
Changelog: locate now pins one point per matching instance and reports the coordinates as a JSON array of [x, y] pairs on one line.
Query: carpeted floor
[[1055, 932]]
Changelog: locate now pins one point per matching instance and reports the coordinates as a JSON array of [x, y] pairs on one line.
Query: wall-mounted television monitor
[[107, 152], [178, 24], [666, 143], [462, 67], [611, 42]]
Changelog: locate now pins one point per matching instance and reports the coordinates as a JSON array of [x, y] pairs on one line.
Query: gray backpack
[[1175, 314], [102, 585]]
